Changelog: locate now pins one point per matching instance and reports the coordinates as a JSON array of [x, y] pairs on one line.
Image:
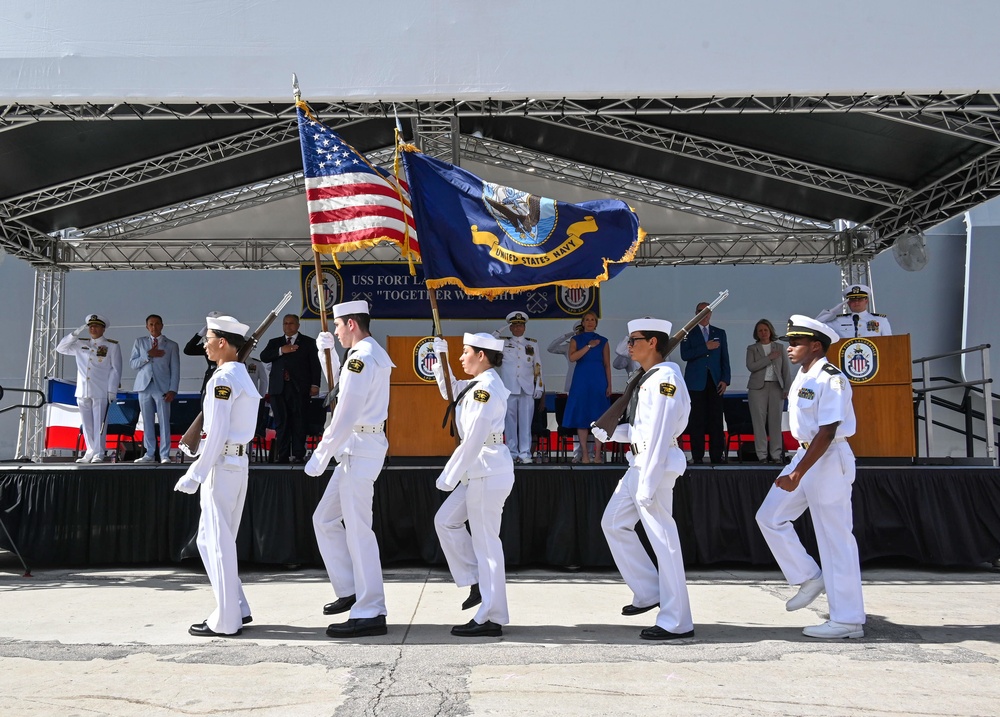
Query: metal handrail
[[922, 393], [41, 396]]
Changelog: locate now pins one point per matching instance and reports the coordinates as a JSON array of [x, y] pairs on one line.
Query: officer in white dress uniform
[[857, 320], [98, 373], [480, 475], [521, 372], [157, 363], [356, 438], [819, 478], [230, 408], [658, 414]]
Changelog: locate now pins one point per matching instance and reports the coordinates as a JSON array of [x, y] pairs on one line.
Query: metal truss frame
[[43, 361]]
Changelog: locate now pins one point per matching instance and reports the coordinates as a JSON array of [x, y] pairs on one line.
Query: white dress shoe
[[808, 591], [834, 630], [85, 458], [165, 461], [98, 458], [145, 459]]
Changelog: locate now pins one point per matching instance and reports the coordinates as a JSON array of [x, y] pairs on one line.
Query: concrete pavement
[[114, 642]]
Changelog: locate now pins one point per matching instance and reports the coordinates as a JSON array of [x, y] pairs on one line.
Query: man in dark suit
[[294, 378], [707, 375]]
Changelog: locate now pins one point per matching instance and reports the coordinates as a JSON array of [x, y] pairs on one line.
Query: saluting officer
[[230, 407], [98, 373], [479, 475], [521, 372], [658, 414], [356, 438], [819, 478], [857, 320]]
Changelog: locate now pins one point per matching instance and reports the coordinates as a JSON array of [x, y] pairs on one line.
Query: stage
[[64, 514]]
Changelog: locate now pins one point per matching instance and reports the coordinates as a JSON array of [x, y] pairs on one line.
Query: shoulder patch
[[831, 369], [223, 393], [481, 395], [667, 389], [355, 365]]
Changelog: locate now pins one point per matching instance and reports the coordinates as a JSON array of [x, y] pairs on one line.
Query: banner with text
[[393, 294]]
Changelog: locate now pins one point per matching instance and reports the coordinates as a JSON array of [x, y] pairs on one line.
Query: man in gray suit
[[156, 361]]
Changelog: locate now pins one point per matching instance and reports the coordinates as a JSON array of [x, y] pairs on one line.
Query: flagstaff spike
[[295, 87]]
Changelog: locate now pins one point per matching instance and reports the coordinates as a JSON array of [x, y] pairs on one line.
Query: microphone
[[856, 320]]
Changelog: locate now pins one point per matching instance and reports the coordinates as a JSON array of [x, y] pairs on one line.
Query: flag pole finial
[[295, 87]]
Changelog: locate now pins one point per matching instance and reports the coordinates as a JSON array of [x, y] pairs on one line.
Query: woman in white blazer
[[767, 389]]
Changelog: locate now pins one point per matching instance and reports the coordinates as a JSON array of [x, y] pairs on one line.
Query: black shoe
[[340, 605], [696, 462], [358, 627], [248, 619], [203, 630], [474, 597], [658, 633], [630, 610], [474, 629], [296, 459]]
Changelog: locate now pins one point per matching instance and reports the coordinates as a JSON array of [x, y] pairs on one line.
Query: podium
[[880, 373], [415, 403]]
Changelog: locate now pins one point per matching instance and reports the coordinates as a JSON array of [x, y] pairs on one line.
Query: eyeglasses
[[633, 339], [209, 338]]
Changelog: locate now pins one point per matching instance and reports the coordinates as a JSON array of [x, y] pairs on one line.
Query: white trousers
[[222, 496], [477, 558], [517, 425], [765, 413], [668, 586], [343, 524], [826, 491], [95, 429], [152, 403]]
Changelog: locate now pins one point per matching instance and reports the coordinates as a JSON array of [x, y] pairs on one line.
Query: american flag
[[352, 204]]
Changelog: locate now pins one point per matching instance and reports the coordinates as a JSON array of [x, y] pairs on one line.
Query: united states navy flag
[[490, 240]]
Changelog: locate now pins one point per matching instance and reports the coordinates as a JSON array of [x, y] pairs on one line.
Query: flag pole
[[320, 293]]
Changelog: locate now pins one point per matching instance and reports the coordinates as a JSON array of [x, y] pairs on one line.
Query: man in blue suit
[[156, 361], [707, 375]]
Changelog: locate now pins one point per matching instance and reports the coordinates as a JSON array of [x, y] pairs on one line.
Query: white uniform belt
[[638, 448], [494, 439], [368, 428], [804, 445], [234, 449]]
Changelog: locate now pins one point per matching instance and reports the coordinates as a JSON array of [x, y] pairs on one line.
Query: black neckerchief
[[451, 412], [633, 401]]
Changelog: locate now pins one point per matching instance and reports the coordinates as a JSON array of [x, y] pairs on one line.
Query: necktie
[[704, 331], [857, 319], [288, 342], [154, 343]]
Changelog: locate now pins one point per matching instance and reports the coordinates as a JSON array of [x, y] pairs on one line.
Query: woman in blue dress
[[590, 392]]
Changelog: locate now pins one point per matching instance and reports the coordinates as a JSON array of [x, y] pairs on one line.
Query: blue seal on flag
[[527, 219]]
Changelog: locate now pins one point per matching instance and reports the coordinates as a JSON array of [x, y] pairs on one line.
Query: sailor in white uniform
[[820, 478], [857, 320], [521, 372], [658, 414], [480, 476], [98, 374], [230, 408], [356, 438]]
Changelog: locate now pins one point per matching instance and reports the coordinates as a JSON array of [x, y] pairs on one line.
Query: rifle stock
[[190, 442], [610, 418]]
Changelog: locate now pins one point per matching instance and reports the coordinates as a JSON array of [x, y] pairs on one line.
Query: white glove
[[539, 392], [643, 498], [316, 465], [599, 433], [187, 484], [80, 331], [440, 346], [326, 340], [443, 485], [112, 396], [204, 330], [496, 334]]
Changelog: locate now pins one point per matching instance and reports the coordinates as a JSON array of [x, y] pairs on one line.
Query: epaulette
[[882, 315], [841, 316], [527, 339], [111, 341], [831, 369]]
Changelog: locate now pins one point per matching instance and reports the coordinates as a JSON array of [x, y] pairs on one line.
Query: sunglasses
[[633, 339]]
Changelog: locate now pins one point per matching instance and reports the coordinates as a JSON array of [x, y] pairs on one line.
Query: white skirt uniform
[[480, 476], [230, 406], [645, 494], [98, 374], [819, 397], [356, 438]]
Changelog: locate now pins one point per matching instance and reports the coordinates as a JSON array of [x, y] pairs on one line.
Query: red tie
[[154, 343]]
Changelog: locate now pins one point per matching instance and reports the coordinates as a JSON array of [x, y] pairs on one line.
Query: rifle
[[609, 420], [191, 440]]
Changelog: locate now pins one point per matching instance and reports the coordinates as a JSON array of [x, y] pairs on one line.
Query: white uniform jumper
[[356, 438], [230, 407], [480, 474], [655, 463], [98, 373], [819, 397], [521, 373]]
